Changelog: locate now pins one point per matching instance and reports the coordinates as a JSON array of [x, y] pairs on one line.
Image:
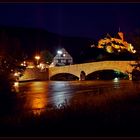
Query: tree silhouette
[[11, 54], [46, 57]]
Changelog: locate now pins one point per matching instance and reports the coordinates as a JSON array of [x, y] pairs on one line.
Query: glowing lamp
[[59, 52], [37, 58]]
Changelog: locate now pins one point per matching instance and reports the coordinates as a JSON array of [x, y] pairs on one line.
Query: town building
[[62, 58]]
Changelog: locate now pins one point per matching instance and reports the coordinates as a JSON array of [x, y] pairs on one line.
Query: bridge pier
[[82, 75]]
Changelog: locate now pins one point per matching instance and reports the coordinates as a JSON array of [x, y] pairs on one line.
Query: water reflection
[[60, 92], [38, 104], [37, 96], [16, 86], [116, 82]]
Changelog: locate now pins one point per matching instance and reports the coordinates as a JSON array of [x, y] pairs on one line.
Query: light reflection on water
[[116, 83], [60, 92], [39, 95], [16, 86], [36, 96]]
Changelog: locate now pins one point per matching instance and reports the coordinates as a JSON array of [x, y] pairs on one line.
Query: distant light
[[134, 51], [92, 46], [16, 84], [31, 67], [42, 66], [37, 57], [52, 64], [116, 79], [64, 54], [59, 52], [15, 74]]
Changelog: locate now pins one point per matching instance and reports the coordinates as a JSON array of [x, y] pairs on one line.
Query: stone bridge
[[122, 66]]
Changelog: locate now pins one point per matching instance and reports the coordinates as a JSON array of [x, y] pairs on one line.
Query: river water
[[38, 95]]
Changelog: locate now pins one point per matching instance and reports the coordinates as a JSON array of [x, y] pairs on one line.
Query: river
[[38, 95]]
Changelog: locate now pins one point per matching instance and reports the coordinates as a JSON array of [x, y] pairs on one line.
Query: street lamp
[[59, 52], [37, 58]]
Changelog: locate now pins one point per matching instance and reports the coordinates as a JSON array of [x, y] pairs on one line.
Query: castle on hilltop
[[115, 44]]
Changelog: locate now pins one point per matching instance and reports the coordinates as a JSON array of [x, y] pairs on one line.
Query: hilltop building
[[117, 44]]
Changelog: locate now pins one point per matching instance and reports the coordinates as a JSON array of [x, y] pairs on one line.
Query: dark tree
[[46, 57], [11, 55]]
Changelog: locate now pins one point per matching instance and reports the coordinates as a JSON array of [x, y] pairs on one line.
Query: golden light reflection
[[37, 112], [16, 86], [38, 105], [38, 101]]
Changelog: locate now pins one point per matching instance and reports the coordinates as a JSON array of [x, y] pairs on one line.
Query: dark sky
[[73, 19]]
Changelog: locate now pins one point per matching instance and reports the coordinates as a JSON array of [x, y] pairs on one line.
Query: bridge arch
[[108, 67], [64, 76], [107, 74]]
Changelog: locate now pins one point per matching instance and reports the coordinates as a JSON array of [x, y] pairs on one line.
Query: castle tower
[[121, 35]]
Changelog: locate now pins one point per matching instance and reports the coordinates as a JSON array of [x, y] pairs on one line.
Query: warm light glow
[[134, 51], [31, 67], [16, 74], [39, 102], [122, 45], [109, 49], [41, 66], [37, 57], [16, 84]]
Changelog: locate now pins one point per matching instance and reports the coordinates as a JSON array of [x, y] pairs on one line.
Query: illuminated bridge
[[75, 70], [122, 66]]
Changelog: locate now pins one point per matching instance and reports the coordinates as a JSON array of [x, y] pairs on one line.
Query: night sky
[[73, 19]]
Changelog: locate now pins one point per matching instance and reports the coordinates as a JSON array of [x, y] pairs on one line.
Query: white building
[[62, 58]]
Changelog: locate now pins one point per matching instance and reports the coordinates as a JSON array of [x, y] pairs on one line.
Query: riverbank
[[86, 115], [30, 80]]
